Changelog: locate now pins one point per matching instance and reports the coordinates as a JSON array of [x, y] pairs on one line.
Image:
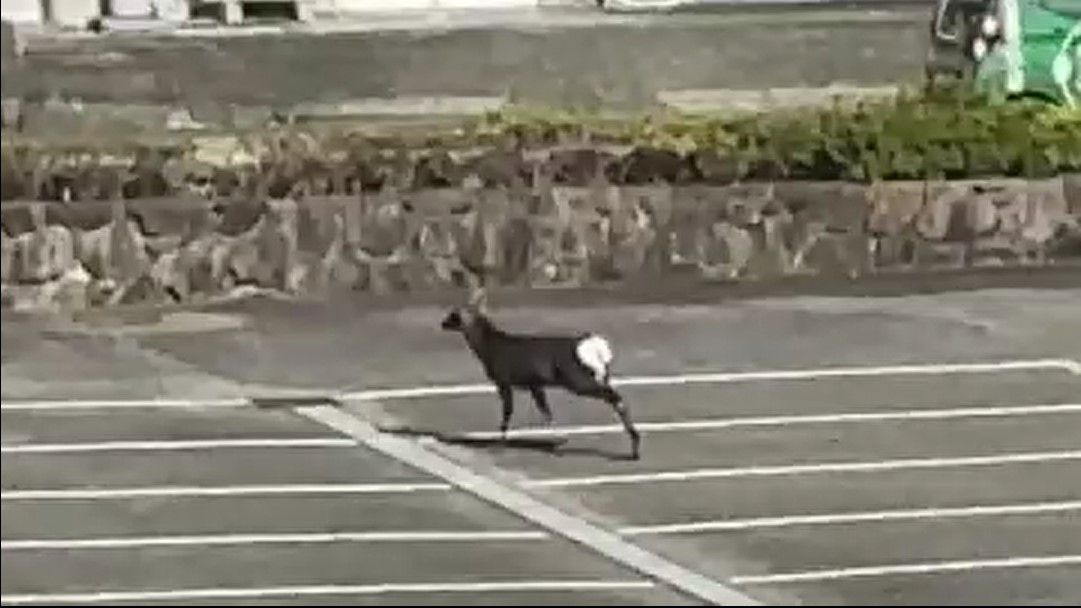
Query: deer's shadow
[[549, 445]]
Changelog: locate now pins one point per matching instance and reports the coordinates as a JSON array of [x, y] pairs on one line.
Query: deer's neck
[[479, 336]]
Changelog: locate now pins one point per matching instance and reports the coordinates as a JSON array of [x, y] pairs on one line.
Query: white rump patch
[[596, 354]]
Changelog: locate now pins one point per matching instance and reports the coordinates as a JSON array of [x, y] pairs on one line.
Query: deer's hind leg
[[541, 400], [506, 399], [614, 399], [587, 387]]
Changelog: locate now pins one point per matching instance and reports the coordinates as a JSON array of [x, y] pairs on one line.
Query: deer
[[579, 363]]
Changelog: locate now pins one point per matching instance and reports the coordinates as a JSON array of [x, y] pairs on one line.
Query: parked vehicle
[[1008, 48]]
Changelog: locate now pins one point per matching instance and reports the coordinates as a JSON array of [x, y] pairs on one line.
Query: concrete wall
[[355, 7], [21, 11], [624, 62], [74, 13]]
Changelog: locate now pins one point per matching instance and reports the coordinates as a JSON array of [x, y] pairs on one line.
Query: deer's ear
[[478, 299], [478, 296]]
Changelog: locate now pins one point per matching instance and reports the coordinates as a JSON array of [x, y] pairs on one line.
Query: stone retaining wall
[[186, 248]]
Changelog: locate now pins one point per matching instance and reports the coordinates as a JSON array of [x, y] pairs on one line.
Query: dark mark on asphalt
[[269, 403], [552, 445]]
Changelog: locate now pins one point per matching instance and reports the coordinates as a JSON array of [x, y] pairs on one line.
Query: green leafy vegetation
[[906, 137], [902, 138]]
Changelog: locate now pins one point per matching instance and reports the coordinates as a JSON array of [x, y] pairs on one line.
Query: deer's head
[[462, 318]]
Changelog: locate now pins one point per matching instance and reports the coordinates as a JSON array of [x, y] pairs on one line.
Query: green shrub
[[907, 137], [903, 138]]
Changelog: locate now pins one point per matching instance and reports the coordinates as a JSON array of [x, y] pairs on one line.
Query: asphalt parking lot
[[908, 450], [321, 514], [797, 483]]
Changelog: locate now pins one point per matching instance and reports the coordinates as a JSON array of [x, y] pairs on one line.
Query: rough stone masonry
[[544, 220]]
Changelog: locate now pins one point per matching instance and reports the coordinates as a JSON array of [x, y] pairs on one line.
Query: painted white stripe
[[522, 504], [192, 491], [844, 372], [704, 100], [93, 404], [269, 539], [725, 423], [200, 444], [919, 568], [656, 380], [417, 392], [858, 517], [729, 377], [317, 590], [805, 469]]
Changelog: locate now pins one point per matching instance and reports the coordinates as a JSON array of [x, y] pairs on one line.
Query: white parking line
[[323, 590], [804, 469], [198, 444], [193, 491], [94, 404], [704, 424], [488, 535], [416, 392], [205, 540], [725, 525], [525, 506], [595, 429], [728, 377], [919, 568], [849, 372]]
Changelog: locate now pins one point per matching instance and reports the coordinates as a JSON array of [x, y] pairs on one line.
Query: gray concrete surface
[[351, 345], [551, 56]]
